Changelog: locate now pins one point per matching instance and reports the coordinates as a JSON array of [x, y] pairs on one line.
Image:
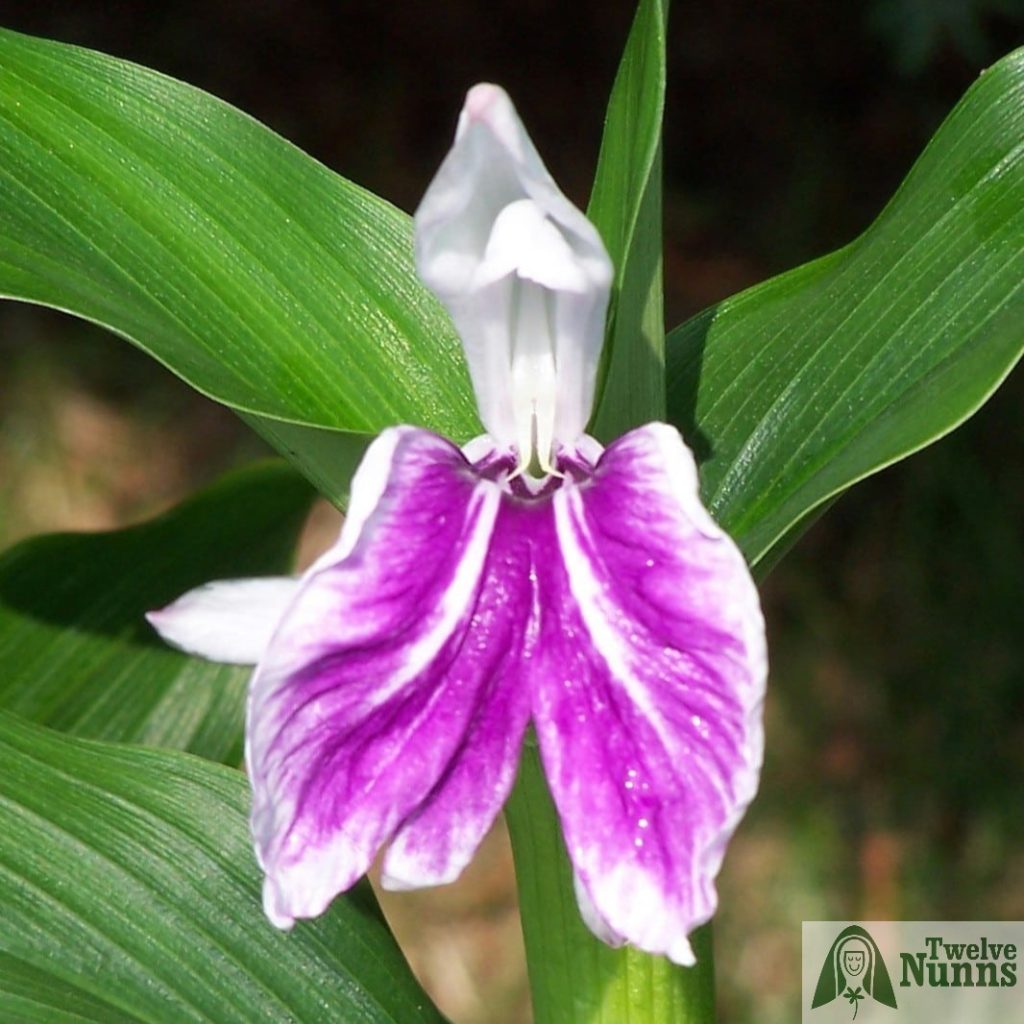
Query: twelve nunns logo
[[854, 969]]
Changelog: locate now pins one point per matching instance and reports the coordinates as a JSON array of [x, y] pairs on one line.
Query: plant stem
[[576, 978]]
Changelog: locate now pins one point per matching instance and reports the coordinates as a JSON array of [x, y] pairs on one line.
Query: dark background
[[894, 774]]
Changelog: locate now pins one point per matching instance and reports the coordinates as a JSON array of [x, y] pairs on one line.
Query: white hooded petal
[[523, 274]]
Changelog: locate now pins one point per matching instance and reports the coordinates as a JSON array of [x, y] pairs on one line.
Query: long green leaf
[[626, 207], [798, 388], [130, 894], [252, 271], [76, 652]]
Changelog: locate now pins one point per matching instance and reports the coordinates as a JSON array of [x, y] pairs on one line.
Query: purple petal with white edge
[[230, 621], [647, 690], [380, 707], [437, 842]]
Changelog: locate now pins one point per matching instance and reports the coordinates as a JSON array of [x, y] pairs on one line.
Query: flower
[[530, 577]]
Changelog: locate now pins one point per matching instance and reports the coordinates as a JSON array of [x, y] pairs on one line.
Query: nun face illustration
[[854, 957]]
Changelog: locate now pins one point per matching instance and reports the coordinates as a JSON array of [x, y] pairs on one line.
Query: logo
[[854, 970], [912, 972]]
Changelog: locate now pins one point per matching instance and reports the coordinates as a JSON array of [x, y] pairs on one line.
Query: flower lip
[[524, 276]]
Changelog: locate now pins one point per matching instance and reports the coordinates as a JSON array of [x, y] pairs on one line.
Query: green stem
[[575, 978]]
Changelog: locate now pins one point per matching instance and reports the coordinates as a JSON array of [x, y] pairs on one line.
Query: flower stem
[[576, 978]]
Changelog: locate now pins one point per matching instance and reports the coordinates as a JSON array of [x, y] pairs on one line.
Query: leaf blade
[[161, 919], [798, 388], [260, 277], [626, 207], [77, 652]]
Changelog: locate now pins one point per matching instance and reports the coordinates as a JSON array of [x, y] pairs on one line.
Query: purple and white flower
[[529, 577]]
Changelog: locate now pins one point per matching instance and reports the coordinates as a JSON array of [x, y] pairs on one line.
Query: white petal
[[229, 620], [497, 241], [524, 242], [232, 621]]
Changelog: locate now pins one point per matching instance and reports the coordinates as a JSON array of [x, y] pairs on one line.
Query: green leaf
[[253, 272], [799, 387], [77, 653], [32, 995], [327, 458], [130, 894], [626, 207]]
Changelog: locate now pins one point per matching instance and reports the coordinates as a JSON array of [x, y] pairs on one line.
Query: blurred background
[[894, 769]]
